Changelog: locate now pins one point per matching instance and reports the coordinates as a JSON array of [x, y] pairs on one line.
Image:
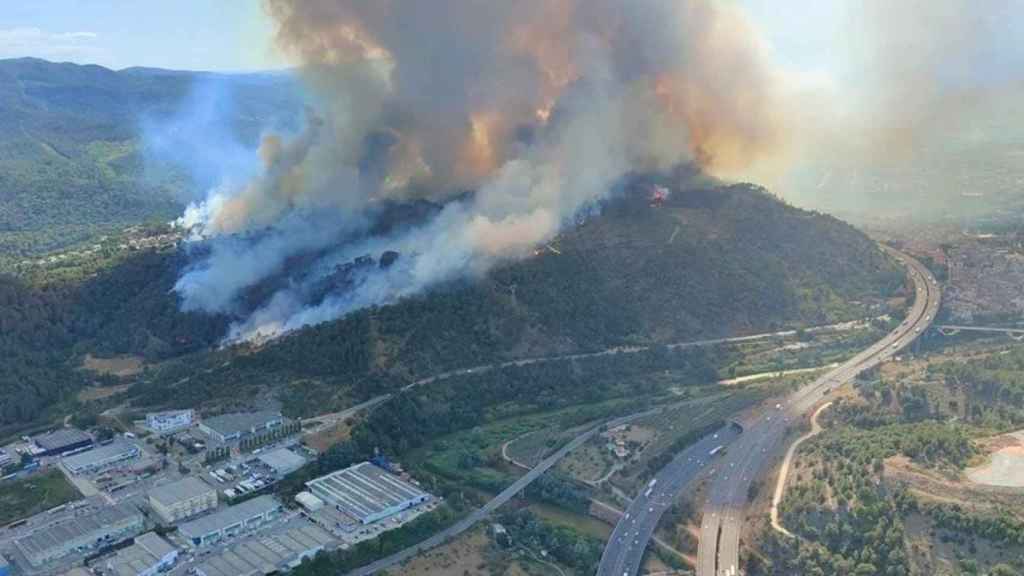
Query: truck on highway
[[650, 488], [717, 450]]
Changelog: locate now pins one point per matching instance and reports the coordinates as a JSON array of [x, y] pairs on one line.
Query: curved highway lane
[[624, 551], [724, 510]]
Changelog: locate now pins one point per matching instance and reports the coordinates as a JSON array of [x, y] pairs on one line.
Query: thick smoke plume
[[536, 107]]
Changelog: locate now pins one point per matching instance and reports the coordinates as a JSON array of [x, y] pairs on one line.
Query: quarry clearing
[[950, 488], [1005, 465]]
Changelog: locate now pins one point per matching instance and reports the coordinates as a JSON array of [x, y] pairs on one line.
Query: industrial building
[[183, 499], [235, 426], [267, 554], [309, 502], [169, 421], [101, 457], [104, 527], [60, 442], [366, 493], [147, 556], [230, 521], [282, 461]]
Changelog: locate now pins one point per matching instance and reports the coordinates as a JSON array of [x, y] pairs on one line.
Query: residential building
[[235, 426], [147, 556], [101, 457], [366, 493], [169, 421], [106, 526], [230, 521], [183, 499]]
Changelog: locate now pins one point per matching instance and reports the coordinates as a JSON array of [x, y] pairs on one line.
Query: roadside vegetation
[[860, 498], [20, 498]]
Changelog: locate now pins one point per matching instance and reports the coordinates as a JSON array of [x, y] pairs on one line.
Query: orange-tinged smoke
[[435, 98], [463, 79]]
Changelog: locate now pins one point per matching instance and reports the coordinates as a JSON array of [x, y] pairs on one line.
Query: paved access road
[[625, 549], [505, 495], [718, 553]]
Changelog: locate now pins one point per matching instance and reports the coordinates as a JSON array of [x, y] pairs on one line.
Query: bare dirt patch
[[951, 489], [323, 439], [468, 555], [100, 392], [1005, 464], [122, 366]]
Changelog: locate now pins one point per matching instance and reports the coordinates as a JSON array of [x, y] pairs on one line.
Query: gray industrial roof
[[60, 438], [365, 490], [267, 553], [229, 516], [100, 454], [170, 494], [282, 460], [59, 532], [147, 551], [228, 424]]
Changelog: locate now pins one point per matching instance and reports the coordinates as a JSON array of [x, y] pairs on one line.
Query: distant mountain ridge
[[71, 156]]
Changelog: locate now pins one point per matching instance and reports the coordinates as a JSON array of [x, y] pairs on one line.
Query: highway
[[724, 510], [496, 502], [625, 549]]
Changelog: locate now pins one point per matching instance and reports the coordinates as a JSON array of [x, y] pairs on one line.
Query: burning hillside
[[511, 118]]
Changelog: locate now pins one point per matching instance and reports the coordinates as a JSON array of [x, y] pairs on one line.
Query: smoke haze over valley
[[511, 122]]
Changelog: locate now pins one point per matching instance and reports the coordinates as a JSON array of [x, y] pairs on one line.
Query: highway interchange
[[718, 552], [625, 549], [737, 457], [746, 455]]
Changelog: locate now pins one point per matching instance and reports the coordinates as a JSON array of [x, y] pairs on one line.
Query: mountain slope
[[710, 262], [71, 152]]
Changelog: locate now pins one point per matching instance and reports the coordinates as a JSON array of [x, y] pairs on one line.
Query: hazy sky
[[180, 34], [237, 35]]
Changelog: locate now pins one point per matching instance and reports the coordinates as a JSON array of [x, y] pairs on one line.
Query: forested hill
[[71, 153], [709, 262]]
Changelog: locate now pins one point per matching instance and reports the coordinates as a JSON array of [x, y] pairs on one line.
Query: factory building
[[183, 499], [101, 457], [60, 442], [147, 556], [235, 426], [267, 554], [230, 521], [282, 461], [169, 421], [366, 493], [106, 526]]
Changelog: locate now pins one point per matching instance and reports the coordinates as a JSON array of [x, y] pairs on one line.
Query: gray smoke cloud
[[538, 107]]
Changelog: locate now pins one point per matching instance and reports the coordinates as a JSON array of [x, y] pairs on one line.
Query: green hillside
[[710, 262], [71, 156]]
